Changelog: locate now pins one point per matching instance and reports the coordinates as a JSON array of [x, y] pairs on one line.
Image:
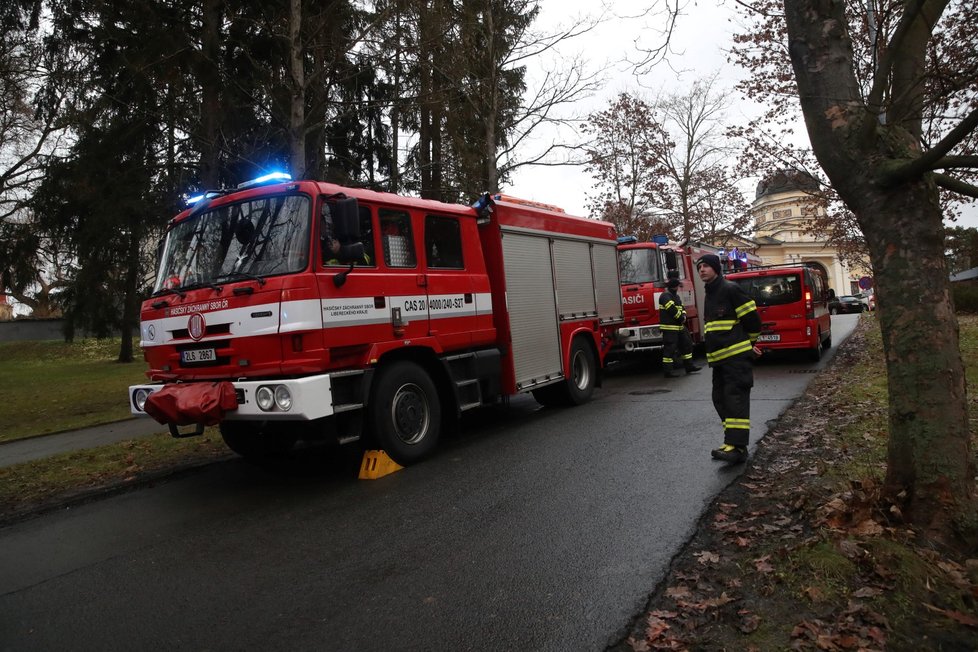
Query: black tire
[[257, 441], [827, 343], [582, 376], [583, 373], [815, 353], [405, 412], [549, 396]]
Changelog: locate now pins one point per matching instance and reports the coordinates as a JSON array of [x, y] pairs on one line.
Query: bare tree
[[667, 163], [701, 192], [625, 154]]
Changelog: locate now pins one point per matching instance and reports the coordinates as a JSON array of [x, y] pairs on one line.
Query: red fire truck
[[306, 310], [643, 268]]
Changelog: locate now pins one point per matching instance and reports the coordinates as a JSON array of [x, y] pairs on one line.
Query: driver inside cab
[[330, 244]]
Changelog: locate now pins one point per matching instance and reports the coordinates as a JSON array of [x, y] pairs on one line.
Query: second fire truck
[[643, 269]]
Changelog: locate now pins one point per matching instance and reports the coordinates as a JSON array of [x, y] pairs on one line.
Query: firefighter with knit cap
[[731, 326], [677, 347]]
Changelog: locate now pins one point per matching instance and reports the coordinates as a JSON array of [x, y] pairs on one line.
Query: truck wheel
[[257, 441], [583, 373], [405, 412], [578, 387]]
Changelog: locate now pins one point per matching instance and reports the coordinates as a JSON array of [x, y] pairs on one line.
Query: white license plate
[[198, 355], [769, 338]]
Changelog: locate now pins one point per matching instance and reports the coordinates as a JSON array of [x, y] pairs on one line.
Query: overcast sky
[[700, 40]]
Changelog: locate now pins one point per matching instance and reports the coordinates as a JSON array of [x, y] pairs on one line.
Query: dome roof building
[[783, 209]]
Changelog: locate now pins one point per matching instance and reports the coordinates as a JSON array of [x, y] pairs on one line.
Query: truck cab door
[[380, 299], [454, 291], [405, 281]]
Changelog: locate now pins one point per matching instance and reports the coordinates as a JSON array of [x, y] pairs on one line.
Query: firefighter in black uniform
[[676, 345], [731, 326]]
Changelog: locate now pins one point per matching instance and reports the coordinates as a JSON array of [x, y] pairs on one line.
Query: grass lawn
[[50, 386], [53, 480]]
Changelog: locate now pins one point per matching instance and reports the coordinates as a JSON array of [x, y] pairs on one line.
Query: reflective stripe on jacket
[[731, 323], [672, 313]]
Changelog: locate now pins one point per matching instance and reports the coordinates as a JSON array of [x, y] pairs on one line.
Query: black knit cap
[[673, 283], [713, 261]]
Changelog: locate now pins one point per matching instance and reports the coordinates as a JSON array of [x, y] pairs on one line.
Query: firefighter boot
[[692, 368], [731, 454], [671, 374]]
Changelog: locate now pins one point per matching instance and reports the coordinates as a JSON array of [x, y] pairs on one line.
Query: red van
[[792, 301]]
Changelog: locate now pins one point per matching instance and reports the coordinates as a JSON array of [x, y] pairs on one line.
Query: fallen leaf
[[655, 629], [868, 528], [762, 565], [707, 557], [750, 623], [716, 602], [964, 619], [814, 593], [676, 592], [867, 592]]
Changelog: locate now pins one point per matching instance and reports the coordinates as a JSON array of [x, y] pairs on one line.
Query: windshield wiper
[[202, 284], [176, 291], [239, 276]]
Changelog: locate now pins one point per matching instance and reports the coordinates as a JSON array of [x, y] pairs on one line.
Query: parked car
[[845, 305]]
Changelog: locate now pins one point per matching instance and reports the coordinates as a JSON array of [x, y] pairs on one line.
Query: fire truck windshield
[[639, 265], [256, 238]]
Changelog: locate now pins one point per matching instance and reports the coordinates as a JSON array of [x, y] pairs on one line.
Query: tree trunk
[[930, 469], [130, 300], [210, 98], [297, 87], [394, 184]]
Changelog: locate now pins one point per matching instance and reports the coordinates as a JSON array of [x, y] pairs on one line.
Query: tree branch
[[956, 185], [957, 162], [930, 160], [881, 78]]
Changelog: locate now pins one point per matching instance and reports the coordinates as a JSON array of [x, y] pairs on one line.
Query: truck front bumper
[[639, 338], [309, 398]]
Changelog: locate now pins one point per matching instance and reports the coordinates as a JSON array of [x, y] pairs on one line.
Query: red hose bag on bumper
[[192, 403]]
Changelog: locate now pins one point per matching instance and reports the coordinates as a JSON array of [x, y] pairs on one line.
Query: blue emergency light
[[196, 199], [627, 239], [271, 177], [660, 239]]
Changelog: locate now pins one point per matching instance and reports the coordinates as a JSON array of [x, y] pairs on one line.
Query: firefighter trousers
[[732, 381], [677, 349]]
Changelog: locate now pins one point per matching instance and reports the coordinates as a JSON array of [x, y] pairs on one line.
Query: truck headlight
[[283, 398], [139, 398], [265, 398]]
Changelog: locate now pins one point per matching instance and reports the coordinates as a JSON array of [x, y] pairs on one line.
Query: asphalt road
[[533, 529]]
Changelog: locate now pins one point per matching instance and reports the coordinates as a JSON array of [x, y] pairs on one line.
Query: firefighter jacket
[[731, 324], [672, 313]]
